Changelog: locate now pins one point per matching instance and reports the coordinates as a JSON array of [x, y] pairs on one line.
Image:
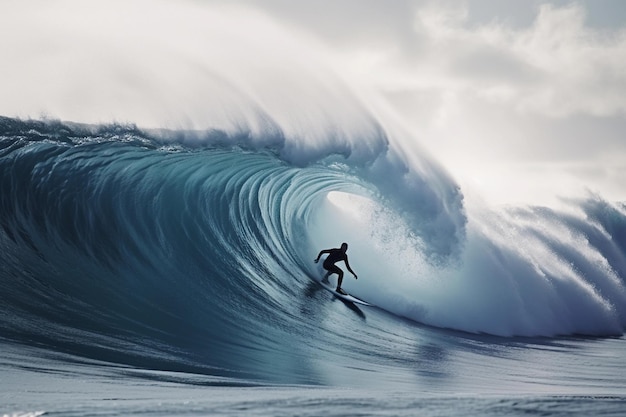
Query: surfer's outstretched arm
[[320, 254], [350, 269]]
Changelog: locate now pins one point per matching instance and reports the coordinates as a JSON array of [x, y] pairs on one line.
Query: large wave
[[112, 214], [111, 233]]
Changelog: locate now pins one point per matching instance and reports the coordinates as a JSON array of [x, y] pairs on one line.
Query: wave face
[[194, 251]]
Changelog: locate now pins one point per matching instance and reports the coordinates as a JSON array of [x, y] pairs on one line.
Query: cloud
[[541, 107], [582, 68], [556, 67]]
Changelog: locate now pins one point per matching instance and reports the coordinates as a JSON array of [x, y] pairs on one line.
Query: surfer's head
[[344, 246]]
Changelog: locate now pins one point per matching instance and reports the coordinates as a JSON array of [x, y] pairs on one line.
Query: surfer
[[336, 255]]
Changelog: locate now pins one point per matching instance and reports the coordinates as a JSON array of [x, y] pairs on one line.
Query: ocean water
[[170, 272]]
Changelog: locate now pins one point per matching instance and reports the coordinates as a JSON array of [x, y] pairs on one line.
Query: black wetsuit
[[335, 255]]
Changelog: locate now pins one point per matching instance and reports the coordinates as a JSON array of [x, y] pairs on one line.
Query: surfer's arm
[[320, 254], [350, 269]]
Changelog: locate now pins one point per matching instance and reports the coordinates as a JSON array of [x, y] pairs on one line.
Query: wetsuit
[[334, 256]]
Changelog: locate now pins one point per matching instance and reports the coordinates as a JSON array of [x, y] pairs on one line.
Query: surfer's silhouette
[[335, 255]]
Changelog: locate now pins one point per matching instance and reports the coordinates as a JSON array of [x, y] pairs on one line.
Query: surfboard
[[345, 297]]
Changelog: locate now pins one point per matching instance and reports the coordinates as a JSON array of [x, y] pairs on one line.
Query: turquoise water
[[153, 274]]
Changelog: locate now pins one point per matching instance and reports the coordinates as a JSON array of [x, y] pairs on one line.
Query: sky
[[523, 101]]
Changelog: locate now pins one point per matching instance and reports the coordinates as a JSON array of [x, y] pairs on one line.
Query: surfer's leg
[[331, 269], [339, 280]]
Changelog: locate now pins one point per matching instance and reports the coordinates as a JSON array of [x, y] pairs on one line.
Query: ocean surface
[[171, 273]]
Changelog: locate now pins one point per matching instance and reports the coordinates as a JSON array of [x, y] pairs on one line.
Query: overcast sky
[[521, 100]]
